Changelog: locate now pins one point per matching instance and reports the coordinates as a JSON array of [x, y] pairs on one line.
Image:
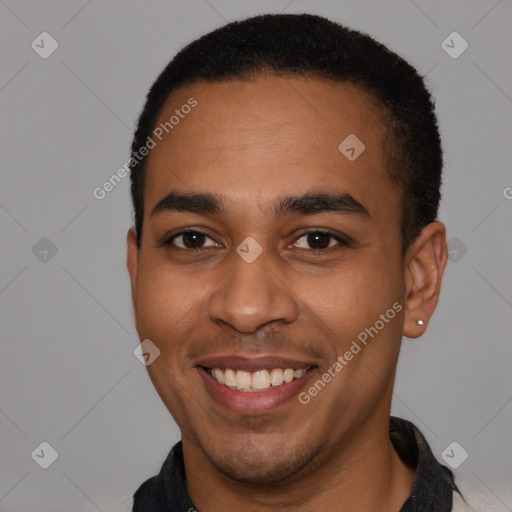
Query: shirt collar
[[433, 485]]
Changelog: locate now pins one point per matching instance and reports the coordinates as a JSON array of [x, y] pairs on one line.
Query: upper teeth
[[255, 381]]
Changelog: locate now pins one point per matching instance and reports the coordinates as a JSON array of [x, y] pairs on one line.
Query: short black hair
[[312, 46]]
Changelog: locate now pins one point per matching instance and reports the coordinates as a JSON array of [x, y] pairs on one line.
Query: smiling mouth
[[260, 380]]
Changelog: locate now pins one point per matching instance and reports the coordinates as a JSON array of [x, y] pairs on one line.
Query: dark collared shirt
[[431, 491]]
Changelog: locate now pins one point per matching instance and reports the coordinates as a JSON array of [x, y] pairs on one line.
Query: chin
[[251, 465]]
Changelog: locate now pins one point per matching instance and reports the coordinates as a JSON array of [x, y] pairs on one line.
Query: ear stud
[[419, 322]]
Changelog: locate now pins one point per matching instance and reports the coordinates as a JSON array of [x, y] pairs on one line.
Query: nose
[[251, 296]]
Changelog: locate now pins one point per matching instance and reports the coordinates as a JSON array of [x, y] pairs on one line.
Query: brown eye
[[318, 240], [191, 240]]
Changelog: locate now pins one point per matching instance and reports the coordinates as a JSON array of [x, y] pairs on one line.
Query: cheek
[[347, 309], [165, 300], [166, 311], [353, 294]]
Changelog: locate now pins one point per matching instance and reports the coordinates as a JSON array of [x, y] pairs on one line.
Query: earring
[[419, 322]]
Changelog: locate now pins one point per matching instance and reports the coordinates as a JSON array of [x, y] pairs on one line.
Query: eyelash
[[341, 242]]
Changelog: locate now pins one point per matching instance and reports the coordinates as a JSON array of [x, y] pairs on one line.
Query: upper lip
[[252, 363]]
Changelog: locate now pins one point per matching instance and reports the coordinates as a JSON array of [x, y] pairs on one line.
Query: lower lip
[[253, 402]]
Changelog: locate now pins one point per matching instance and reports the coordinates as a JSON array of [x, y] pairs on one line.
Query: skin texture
[[251, 143]]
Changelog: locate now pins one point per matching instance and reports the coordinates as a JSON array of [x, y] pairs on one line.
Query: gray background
[[67, 369]]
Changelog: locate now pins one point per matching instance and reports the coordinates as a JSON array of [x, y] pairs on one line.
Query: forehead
[[253, 140]]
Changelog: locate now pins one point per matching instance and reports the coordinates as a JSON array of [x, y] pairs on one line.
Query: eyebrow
[[306, 204]]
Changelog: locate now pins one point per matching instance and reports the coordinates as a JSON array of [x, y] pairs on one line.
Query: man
[[286, 178]]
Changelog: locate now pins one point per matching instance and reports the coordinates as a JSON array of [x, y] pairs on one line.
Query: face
[[267, 255]]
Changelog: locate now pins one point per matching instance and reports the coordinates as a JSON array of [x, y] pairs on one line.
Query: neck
[[362, 473]]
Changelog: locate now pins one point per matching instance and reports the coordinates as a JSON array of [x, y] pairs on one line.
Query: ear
[[132, 262], [425, 263]]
